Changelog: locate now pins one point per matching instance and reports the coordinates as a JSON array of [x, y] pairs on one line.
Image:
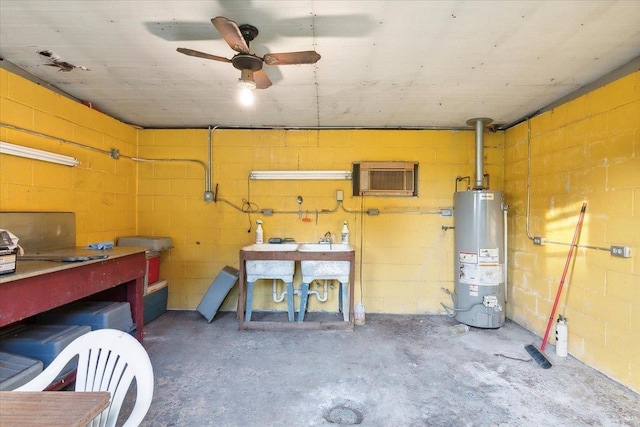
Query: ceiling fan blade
[[230, 33], [198, 54], [262, 80], [292, 58]]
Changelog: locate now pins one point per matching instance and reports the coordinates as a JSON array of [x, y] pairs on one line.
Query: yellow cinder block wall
[[587, 150], [101, 191], [404, 257]]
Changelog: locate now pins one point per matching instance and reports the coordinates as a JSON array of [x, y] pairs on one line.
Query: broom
[[538, 355]]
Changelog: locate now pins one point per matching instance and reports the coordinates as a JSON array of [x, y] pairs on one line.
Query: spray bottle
[[345, 233], [259, 233], [562, 337]]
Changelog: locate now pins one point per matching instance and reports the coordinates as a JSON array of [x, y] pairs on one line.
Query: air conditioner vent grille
[[385, 179]]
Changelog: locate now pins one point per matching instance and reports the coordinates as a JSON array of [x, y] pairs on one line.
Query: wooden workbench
[[293, 256], [38, 286], [51, 408]]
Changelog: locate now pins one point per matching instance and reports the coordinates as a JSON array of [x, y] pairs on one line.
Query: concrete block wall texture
[[101, 191], [587, 150], [405, 255]]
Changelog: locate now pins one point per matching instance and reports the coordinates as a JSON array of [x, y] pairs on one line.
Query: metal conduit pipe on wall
[[209, 195], [115, 154], [528, 201]]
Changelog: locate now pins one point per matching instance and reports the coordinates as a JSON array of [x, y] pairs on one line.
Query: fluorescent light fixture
[[32, 153], [294, 175]]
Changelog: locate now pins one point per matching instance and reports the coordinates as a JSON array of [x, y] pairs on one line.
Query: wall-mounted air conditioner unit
[[385, 179]]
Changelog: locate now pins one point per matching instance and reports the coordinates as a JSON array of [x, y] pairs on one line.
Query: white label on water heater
[[486, 196], [468, 266], [473, 290], [489, 275], [489, 256], [468, 274], [482, 275], [468, 258], [479, 269]]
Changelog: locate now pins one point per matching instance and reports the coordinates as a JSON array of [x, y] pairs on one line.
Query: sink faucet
[[327, 238]]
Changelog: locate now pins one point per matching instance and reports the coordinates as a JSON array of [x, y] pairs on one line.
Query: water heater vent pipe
[[479, 124]]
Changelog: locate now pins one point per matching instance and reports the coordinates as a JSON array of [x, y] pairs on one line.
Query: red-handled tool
[[534, 352], [576, 234]]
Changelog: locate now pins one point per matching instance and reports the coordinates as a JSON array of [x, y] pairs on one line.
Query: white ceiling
[[384, 63]]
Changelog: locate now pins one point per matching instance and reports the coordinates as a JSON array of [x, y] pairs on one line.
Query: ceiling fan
[[250, 65]]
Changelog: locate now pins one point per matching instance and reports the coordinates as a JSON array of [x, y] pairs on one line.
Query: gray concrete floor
[[393, 371]]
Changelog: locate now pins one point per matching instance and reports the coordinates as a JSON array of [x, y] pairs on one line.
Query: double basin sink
[[311, 269], [302, 247]]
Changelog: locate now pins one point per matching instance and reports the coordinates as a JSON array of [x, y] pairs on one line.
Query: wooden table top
[[51, 408], [30, 268]]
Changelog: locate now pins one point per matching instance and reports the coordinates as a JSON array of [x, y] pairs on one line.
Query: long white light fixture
[[32, 153], [293, 175]]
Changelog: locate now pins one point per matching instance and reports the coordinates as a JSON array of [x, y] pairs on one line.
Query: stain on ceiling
[[384, 64]]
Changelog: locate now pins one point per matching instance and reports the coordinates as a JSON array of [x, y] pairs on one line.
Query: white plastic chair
[[108, 360]]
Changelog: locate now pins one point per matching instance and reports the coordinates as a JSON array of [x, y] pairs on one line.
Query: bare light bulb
[[245, 96], [246, 90]]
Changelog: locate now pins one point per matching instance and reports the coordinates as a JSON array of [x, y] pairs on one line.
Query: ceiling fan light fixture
[[246, 88], [246, 80], [238, 37], [246, 96]]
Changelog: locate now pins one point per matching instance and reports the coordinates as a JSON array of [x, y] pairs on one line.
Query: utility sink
[[272, 247], [270, 269], [318, 261], [311, 269], [324, 269], [324, 247]]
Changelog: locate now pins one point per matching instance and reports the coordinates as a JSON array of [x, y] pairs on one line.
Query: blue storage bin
[[42, 342], [17, 370], [155, 302], [96, 314]]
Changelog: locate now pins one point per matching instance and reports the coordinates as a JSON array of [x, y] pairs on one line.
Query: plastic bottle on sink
[[259, 233], [345, 233]]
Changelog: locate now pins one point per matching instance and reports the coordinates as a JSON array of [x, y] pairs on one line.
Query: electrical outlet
[[339, 195], [537, 240], [621, 251]]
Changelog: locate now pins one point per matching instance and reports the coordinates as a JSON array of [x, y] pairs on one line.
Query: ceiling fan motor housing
[[249, 32], [247, 61]]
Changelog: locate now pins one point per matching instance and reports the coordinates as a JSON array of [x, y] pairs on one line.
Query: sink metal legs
[[247, 315], [290, 310], [344, 301], [304, 297], [343, 295], [290, 295]]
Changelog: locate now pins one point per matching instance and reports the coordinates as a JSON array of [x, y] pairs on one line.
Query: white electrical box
[[490, 301]]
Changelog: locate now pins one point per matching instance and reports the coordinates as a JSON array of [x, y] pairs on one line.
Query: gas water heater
[[479, 249]]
